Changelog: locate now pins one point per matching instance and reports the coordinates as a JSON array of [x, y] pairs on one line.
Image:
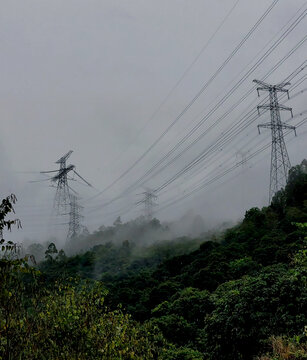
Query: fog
[[106, 78]]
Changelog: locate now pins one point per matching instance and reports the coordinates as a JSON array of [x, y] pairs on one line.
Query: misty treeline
[[140, 233], [236, 294]]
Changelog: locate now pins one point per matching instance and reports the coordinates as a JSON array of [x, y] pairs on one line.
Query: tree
[[67, 321], [117, 222], [50, 252], [6, 207], [250, 310], [13, 289]]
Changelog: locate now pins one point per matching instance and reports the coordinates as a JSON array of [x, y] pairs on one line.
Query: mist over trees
[[240, 293]]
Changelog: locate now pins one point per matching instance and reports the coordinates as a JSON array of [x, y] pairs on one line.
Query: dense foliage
[[242, 295], [227, 298], [107, 259], [63, 320]]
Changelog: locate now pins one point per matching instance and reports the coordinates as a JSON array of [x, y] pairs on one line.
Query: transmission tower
[[280, 163], [74, 217], [62, 195], [63, 190], [149, 203]]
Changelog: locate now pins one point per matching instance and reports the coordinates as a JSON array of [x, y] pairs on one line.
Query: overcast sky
[[88, 75]]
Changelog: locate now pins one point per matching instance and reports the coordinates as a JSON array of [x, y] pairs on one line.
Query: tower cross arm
[[280, 89], [282, 85], [283, 107], [289, 127], [278, 107], [261, 88], [65, 157], [264, 85], [266, 126], [268, 107]]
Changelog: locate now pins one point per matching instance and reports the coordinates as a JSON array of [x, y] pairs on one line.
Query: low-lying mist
[[139, 235]]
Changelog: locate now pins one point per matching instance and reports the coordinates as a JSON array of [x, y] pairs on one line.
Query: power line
[[254, 113], [285, 33], [211, 112], [221, 175], [204, 87], [210, 127], [179, 81], [290, 77], [204, 153]]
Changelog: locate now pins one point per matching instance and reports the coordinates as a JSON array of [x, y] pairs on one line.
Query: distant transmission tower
[[149, 203], [280, 163], [74, 218]]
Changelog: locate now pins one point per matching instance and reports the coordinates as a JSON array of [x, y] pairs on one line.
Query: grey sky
[[87, 75]]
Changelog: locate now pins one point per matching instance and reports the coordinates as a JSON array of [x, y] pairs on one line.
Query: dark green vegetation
[[107, 259], [238, 295], [65, 319]]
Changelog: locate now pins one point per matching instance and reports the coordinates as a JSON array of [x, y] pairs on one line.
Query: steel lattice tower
[[74, 217], [62, 195], [149, 203], [280, 162], [63, 191]]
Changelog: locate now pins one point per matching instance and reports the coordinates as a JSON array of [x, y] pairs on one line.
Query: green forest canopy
[[232, 296]]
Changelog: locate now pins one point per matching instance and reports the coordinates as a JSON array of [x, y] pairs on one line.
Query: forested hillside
[[240, 294]]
